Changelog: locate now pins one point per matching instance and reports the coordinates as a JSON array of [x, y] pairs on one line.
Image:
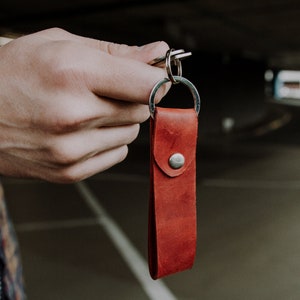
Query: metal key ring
[[179, 79], [175, 54], [177, 63]]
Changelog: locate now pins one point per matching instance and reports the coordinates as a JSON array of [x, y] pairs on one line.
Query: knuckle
[[63, 71], [56, 31], [64, 117], [59, 72], [61, 154], [68, 175], [64, 124]]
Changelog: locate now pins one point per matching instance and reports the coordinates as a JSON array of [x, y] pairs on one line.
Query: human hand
[[70, 105]]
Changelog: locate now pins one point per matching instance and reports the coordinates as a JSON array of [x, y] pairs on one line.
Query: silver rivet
[[176, 161]]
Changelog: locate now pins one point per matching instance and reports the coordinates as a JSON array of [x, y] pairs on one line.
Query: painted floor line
[[258, 184], [54, 225], [155, 289]]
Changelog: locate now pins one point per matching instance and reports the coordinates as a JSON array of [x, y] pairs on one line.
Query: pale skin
[[71, 105]]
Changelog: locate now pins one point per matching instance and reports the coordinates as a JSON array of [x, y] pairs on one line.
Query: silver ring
[[177, 63], [175, 54], [179, 79]]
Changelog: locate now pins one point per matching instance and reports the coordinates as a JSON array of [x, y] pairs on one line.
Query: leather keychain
[[172, 207]]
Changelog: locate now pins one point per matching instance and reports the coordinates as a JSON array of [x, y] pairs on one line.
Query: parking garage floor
[[89, 240]]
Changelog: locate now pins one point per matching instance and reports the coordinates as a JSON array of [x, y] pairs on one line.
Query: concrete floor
[[89, 241], [248, 227]]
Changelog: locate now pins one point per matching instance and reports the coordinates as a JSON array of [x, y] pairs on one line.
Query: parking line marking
[[246, 184], [155, 289], [54, 225]]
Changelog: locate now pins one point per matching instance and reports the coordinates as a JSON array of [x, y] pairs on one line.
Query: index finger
[[111, 70], [144, 53], [118, 78]]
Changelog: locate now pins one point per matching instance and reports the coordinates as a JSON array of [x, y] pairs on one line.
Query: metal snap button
[[176, 161]]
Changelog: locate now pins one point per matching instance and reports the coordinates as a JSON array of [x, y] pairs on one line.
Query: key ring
[[177, 63], [174, 55], [178, 79]]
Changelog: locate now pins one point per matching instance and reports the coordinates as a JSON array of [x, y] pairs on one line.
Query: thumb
[[144, 53]]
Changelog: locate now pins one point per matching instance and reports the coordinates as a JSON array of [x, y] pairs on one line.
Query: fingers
[[123, 79], [21, 167], [109, 70], [92, 166], [144, 53], [78, 68], [118, 113], [74, 156], [72, 148], [86, 113]]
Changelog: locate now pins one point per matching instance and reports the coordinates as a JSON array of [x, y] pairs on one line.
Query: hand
[[70, 105]]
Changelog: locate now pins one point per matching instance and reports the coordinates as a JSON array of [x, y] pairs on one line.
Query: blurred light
[[228, 124], [269, 75]]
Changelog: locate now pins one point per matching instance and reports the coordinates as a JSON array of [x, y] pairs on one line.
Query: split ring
[[178, 79], [177, 63]]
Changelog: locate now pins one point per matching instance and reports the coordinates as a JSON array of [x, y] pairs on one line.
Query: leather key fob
[[172, 206]]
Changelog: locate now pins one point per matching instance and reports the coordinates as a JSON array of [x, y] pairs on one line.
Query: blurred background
[[85, 241]]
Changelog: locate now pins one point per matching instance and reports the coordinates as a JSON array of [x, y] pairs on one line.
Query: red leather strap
[[172, 206]]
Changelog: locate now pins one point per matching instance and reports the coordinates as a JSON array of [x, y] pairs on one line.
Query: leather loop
[[172, 205], [174, 133]]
